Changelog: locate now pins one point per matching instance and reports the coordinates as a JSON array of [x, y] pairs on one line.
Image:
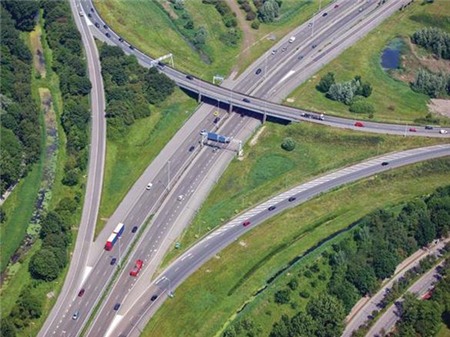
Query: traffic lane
[[161, 229], [184, 266]]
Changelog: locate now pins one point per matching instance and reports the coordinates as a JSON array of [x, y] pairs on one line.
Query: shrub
[[361, 106], [288, 144], [304, 294], [282, 296], [255, 24]]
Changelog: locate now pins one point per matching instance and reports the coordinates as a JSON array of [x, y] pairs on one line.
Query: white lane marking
[[290, 73]]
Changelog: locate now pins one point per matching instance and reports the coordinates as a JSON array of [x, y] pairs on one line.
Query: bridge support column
[[264, 117], [199, 99], [230, 108]]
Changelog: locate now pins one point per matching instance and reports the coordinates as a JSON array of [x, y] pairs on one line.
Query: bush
[[326, 82], [304, 294], [361, 106], [288, 144], [282, 296], [255, 24], [293, 284]]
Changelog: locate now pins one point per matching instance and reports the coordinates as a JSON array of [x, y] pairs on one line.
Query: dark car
[[92, 9], [97, 25], [107, 34], [246, 100], [291, 199], [313, 46], [384, 163], [105, 26], [191, 148], [131, 47], [271, 208], [116, 306], [324, 14], [246, 223], [120, 39], [113, 261], [81, 292], [428, 127], [300, 57], [134, 230], [258, 71], [154, 297], [89, 15], [190, 77], [161, 64]]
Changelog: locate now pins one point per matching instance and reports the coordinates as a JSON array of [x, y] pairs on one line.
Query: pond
[[390, 59]]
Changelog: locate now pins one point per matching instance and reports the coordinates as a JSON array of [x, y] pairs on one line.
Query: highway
[[139, 203], [142, 308], [373, 304], [94, 183], [388, 320]]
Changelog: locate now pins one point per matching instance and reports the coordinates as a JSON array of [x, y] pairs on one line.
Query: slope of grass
[[267, 169], [203, 303], [128, 158], [393, 100]]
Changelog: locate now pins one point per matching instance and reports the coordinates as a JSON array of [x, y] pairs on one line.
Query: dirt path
[[248, 38]]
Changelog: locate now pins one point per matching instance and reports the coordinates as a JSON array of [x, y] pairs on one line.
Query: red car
[[412, 130], [359, 124], [246, 223], [137, 268]]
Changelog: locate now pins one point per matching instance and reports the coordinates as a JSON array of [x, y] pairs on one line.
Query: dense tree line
[[129, 89], [434, 39], [20, 126], [268, 10], [433, 85], [423, 318], [68, 62]]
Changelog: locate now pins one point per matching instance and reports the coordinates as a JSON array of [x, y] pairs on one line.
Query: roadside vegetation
[[231, 281], [177, 27], [267, 169], [60, 84], [398, 95], [144, 110]]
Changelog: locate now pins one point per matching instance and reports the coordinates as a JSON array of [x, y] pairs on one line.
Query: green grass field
[[393, 100], [127, 159], [267, 169], [146, 25], [203, 304]]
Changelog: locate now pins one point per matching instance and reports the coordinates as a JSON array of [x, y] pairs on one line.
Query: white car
[[149, 186], [443, 131]]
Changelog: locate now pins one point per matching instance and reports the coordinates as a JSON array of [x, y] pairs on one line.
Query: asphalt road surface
[[139, 311]]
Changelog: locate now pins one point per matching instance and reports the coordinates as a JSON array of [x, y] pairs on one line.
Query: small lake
[[390, 59]]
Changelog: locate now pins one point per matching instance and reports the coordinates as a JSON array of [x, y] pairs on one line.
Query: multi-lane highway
[[140, 309], [140, 203]]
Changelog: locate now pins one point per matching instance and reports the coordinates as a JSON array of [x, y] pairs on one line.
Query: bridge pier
[[264, 117], [199, 98], [230, 108]]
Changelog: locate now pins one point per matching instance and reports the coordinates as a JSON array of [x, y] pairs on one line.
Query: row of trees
[[20, 126], [351, 93], [68, 62], [433, 85], [129, 89], [434, 39], [232, 36]]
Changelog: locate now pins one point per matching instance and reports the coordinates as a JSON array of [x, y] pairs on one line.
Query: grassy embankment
[[128, 158], [267, 169], [147, 26], [393, 100], [19, 275], [213, 295]]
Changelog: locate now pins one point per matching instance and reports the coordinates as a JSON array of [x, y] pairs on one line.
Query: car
[[75, 315], [81, 13], [291, 199], [283, 49], [271, 208], [180, 197], [81, 292], [384, 163], [361, 9], [274, 51], [336, 6], [107, 34], [131, 47], [113, 261], [246, 223], [300, 57], [324, 14], [105, 26], [246, 100], [97, 25], [412, 130], [428, 127], [190, 77], [291, 39], [149, 186], [161, 64], [120, 39], [216, 120], [359, 124], [443, 132], [258, 71], [191, 148], [137, 268], [310, 24], [313, 46], [153, 298], [116, 306], [134, 229], [89, 15], [92, 9]]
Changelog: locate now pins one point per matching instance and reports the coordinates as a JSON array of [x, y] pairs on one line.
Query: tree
[[425, 232], [303, 325], [7, 328], [51, 223], [200, 37], [362, 276], [23, 12], [288, 144], [281, 328], [283, 296], [44, 266], [293, 284], [328, 313], [269, 11], [326, 82], [342, 92], [384, 263]]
